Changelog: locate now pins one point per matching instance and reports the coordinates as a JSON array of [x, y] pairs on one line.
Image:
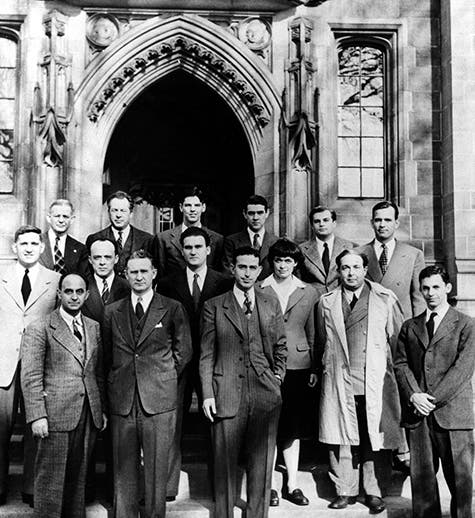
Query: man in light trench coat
[[358, 324]]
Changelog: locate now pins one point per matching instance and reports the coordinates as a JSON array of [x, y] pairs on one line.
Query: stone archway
[[147, 53]]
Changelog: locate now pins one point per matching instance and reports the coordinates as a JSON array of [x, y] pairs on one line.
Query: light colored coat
[[15, 316], [338, 420]]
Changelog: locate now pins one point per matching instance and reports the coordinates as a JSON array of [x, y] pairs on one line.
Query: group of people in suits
[[292, 341]]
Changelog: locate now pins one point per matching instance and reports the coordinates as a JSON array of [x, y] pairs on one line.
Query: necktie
[[383, 259], [120, 244], [105, 291], [430, 325], [139, 312], [25, 286], [247, 305], [255, 242], [59, 265], [196, 292], [77, 329], [326, 258], [354, 300]]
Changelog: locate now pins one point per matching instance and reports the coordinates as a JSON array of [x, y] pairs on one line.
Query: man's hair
[[256, 199], [83, 277], [62, 202], [351, 251], [104, 240], [195, 232], [193, 191], [284, 247], [385, 205], [245, 250], [121, 195], [140, 254], [321, 208], [434, 269], [26, 229]]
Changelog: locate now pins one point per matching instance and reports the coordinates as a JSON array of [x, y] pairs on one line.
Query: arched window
[[364, 159], [8, 92]]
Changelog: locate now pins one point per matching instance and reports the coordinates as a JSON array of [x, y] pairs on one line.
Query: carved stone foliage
[[185, 50]]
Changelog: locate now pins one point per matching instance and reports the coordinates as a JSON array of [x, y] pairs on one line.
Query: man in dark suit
[[242, 365], [62, 253], [147, 344], [166, 247], [63, 390], [191, 286], [105, 287], [255, 212], [434, 364], [319, 266], [128, 238]]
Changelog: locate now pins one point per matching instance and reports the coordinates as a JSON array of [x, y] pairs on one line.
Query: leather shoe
[[296, 497], [3, 499], [375, 503], [401, 465], [274, 498], [342, 501], [26, 498], [170, 498]]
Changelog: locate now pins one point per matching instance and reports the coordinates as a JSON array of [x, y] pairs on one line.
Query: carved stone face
[[102, 31]]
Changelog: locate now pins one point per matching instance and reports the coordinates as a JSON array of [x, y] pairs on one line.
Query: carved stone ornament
[[180, 47], [255, 33], [102, 30], [52, 139]]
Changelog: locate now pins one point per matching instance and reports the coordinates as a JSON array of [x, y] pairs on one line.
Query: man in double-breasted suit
[[191, 286], [120, 206], [147, 345], [434, 364], [255, 212], [166, 247], [27, 292], [319, 254], [63, 390], [62, 253], [242, 365]]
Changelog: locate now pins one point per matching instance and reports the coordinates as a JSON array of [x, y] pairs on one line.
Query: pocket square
[[159, 325]]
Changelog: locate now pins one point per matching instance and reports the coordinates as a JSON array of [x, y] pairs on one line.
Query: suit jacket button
[[81, 394], [240, 359], [241, 375], [136, 355]]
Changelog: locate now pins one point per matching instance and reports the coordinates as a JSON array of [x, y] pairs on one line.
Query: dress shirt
[[260, 234], [100, 281], [349, 294], [240, 297], [390, 246], [146, 299], [441, 311], [283, 290], [321, 248], [52, 241], [125, 234], [190, 275], [32, 273], [69, 320]]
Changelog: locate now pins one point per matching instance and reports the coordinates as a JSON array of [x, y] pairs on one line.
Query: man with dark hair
[[357, 325], [255, 212], [62, 253], [128, 238], [434, 365], [147, 344], [27, 292], [63, 390], [191, 286], [166, 248], [319, 267], [242, 365]]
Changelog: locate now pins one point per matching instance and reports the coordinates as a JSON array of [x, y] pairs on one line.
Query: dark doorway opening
[[177, 134]]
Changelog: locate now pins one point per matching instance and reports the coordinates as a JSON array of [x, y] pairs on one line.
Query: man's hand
[[39, 428], [312, 380], [104, 422], [209, 408], [423, 403]]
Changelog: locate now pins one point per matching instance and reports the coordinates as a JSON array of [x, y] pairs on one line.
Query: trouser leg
[[8, 409], [344, 470]]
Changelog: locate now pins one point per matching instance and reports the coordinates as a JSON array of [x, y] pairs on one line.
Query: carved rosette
[[187, 49]]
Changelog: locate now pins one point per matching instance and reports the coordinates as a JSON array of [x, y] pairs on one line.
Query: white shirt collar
[[239, 294], [100, 280], [261, 233], [349, 294], [52, 240], [390, 246], [125, 233], [69, 318], [283, 294], [33, 272], [441, 312], [321, 245], [146, 299], [190, 275], [184, 227]]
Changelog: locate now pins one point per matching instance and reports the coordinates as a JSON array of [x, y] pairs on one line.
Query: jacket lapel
[[155, 314], [182, 289], [334, 302], [12, 286], [41, 285], [47, 255], [374, 270], [123, 321], [62, 334], [312, 254], [231, 309], [295, 298], [91, 343], [420, 330], [175, 238], [446, 326], [360, 310], [208, 286]]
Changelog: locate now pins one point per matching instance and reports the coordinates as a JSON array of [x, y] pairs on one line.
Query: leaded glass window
[[8, 89], [362, 134]]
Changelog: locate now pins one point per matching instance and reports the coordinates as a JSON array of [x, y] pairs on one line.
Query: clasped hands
[[423, 403]]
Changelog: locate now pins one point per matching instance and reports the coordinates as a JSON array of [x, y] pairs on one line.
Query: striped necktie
[[59, 265]]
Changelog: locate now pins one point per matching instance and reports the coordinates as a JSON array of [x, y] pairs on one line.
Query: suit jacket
[[75, 255], [150, 366], [176, 287], [442, 367], [166, 251], [312, 270], [94, 307], [15, 316], [54, 379], [242, 239], [401, 277], [299, 324], [221, 365], [137, 240]]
